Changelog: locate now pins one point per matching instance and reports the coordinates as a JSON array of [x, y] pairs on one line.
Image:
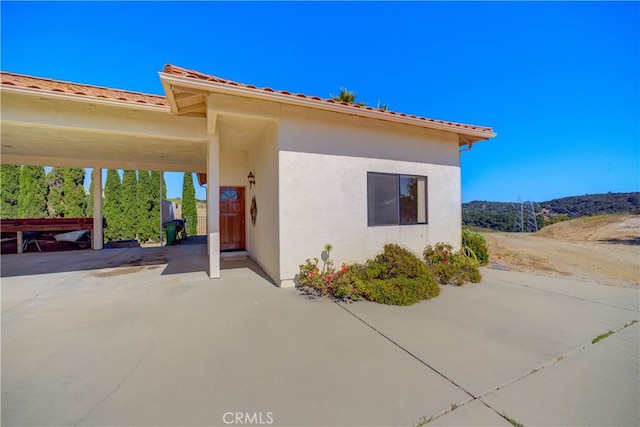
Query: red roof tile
[[39, 83], [183, 72], [29, 82]]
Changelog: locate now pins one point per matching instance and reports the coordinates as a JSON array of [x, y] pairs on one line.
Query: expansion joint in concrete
[[407, 351]]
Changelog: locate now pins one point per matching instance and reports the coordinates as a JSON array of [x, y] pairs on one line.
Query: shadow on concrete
[[245, 262], [187, 257]]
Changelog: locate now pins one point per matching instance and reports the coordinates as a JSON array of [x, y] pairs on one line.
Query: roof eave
[[41, 93], [169, 80]]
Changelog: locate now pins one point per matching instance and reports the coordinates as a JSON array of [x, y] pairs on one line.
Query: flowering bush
[[320, 281], [449, 267], [396, 276], [348, 284], [325, 281]]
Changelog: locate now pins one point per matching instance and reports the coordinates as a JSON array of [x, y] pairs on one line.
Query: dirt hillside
[[602, 249]]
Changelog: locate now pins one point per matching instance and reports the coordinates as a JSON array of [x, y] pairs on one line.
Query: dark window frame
[[395, 218]]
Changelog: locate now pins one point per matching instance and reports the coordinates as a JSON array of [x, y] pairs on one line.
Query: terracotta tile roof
[[179, 71], [49, 85]]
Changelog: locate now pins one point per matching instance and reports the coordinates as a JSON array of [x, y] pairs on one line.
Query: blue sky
[[559, 82]]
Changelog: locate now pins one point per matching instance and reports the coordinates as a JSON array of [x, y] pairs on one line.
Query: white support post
[[20, 242], [97, 234], [161, 200], [213, 195]]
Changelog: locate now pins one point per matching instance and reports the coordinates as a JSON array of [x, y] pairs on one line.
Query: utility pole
[[532, 221], [518, 221], [522, 210]]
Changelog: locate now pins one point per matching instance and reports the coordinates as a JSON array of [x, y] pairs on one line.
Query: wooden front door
[[231, 218]]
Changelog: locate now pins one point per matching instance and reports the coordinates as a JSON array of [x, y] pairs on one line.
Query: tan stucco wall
[[323, 192], [263, 238], [234, 167], [321, 132]]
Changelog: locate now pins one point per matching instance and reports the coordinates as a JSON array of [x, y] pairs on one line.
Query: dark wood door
[[231, 218]]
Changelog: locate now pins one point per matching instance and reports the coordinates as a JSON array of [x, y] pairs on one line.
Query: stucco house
[[325, 171]]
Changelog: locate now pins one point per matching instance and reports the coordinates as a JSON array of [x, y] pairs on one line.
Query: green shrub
[[475, 246], [396, 261], [449, 267], [401, 290], [398, 277]]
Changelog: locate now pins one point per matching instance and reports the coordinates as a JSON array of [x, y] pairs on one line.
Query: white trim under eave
[[40, 93], [225, 88]]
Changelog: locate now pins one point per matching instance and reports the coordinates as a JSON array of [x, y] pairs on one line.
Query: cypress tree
[[89, 197], [155, 184], [9, 190], [32, 201], [144, 198], [189, 207], [74, 199], [129, 204], [112, 207], [155, 203], [55, 198]]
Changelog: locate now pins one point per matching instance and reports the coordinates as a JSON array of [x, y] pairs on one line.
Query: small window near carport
[[396, 199]]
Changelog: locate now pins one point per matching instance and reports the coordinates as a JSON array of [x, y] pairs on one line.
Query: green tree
[[350, 96], [89, 197], [145, 203], [155, 199], [74, 199], [55, 198], [10, 190], [129, 204], [345, 95], [32, 200], [189, 207], [112, 207]]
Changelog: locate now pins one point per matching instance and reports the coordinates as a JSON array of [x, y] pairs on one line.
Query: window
[[230, 195], [396, 199]]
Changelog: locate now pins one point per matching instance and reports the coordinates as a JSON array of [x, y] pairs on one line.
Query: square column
[[213, 195], [97, 234]]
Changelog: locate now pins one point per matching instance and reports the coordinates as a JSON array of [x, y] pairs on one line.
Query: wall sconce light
[[252, 179]]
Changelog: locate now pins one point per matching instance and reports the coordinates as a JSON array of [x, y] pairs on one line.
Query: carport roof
[[56, 123], [70, 88]]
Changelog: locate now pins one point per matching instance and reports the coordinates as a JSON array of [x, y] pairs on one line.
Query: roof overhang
[[188, 96], [83, 98]]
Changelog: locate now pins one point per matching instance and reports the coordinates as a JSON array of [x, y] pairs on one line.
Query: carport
[[49, 122]]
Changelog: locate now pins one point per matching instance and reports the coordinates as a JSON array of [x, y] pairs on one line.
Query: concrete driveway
[[130, 339]]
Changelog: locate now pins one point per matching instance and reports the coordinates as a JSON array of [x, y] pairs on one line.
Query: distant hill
[[500, 215]]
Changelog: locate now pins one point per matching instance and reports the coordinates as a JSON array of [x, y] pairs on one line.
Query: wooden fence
[[202, 225]]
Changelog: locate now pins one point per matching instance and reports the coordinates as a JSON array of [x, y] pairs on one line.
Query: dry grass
[[602, 249]]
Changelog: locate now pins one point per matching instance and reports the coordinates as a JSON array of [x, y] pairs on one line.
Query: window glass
[[396, 199], [230, 195], [413, 206], [382, 198]]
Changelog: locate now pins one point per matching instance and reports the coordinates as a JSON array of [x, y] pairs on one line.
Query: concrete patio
[[143, 337]]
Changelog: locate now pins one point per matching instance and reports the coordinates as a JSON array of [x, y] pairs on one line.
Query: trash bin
[[171, 232]]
